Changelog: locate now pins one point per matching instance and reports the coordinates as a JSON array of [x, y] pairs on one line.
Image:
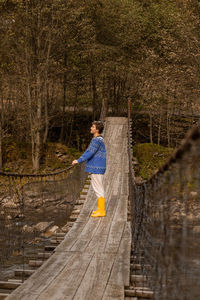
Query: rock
[[193, 194], [138, 179], [50, 231], [65, 228], [37, 240], [196, 229], [9, 204], [53, 229], [43, 226], [28, 228]]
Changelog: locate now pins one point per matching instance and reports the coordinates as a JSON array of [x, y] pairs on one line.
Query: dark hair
[[99, 126]]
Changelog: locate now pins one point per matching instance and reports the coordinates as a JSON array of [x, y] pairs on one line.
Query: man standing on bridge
[[95, 158]]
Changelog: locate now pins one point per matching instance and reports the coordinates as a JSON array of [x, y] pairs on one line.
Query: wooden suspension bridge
[[93, 260]]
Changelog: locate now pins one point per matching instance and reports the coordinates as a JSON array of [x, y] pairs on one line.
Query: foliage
[[150, 158], [58, 56], [17, 157]]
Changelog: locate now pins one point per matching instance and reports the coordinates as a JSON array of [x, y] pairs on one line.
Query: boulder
[[50, 231], [196, 229], [43, 226], [28, 228], [9, 203]]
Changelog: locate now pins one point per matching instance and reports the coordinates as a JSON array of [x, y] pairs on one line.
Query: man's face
[[93, 129]]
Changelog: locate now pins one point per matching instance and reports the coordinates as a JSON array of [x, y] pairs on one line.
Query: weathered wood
[[9, 285], [99, 240], [60, 234], [120, 272], [138, 278], [35, 263], [78, 207], [92, 287], [15, 280], [142, 293], [83, 196], [42, 277], [73, 217], [114, 292], [67, 282], [58, 238], [76, 211], [3, 296], [71, 237], [44, 255], [25, 272], [140, 267], [86, 186]]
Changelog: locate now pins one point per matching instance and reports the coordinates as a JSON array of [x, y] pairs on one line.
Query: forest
[[61, 61]]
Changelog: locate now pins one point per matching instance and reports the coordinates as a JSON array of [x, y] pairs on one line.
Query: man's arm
[[91, 150]]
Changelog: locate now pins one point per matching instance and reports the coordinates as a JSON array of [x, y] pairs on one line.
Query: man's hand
[[74, 162]]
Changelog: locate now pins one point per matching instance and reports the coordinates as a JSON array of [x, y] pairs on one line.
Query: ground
[[55, 156], [149, 157]]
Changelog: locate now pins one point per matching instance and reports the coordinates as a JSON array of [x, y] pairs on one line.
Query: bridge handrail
[[20, 175], [165, 221]]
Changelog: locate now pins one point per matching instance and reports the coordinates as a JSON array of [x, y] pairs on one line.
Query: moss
[[54, 156], [150, 158], [58, 156], [14, 150], [74, 152]]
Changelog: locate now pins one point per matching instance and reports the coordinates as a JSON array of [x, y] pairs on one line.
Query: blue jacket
[[95, 156]]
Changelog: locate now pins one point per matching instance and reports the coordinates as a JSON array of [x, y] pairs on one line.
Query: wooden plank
[[120, 273], [94, 282], [117, 226], [114, 237], [124, 186], [114, 292], [71, 237], [9, 285], [68, 281], [25, 272], [125, 253], [90, 230], [99, 240], [121, 270], [42, 277], [3, 296]]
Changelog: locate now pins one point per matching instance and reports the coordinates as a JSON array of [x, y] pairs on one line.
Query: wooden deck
[[93, 261]]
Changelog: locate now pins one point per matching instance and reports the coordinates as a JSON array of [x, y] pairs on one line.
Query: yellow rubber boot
[[95, 211], [101, 208]]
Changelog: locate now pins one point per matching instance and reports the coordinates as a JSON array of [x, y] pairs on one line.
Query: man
[[95, 158]]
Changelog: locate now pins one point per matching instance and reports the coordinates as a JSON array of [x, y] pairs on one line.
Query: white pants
[[97, 184]]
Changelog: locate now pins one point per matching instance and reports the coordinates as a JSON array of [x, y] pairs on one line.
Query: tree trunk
[[46, 129], [1, 128], [38, 126], [1, 137], [46, 94], [168, 125], [64, 99], [151, 128], [94, 94], [159, 125]]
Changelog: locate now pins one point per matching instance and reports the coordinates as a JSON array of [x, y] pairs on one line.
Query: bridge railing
[[30, 205], [165, 214]]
